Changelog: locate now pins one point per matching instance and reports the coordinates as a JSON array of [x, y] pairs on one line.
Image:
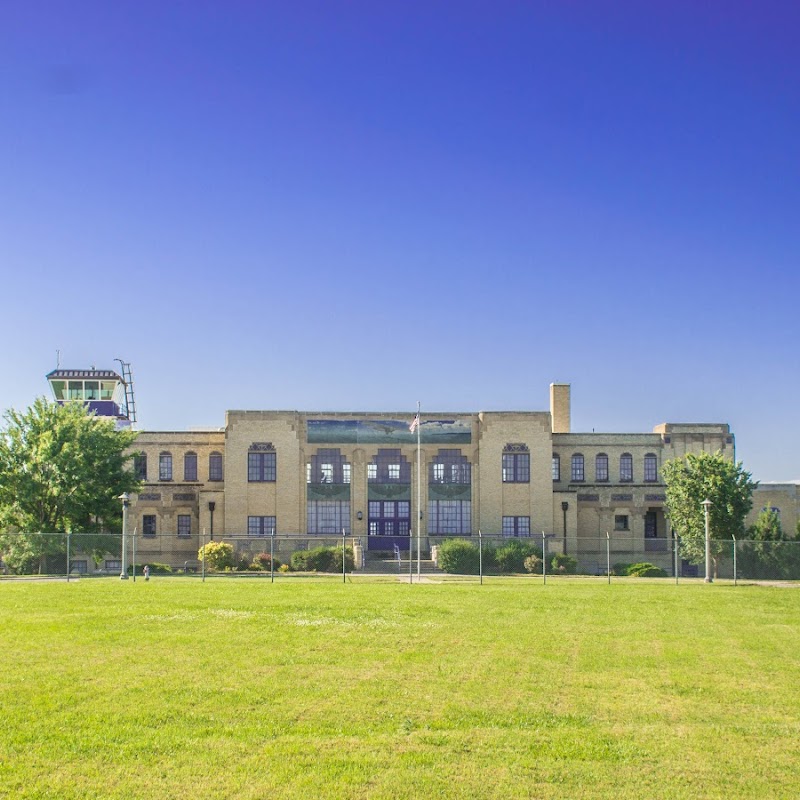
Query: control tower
[[103, 391]]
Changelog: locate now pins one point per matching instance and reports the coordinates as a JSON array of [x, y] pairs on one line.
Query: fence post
[[734, 559], [608, 556], [344, 560], [676, 540], [133, 557], [480, 555], [410, 559], [272, 556], [544, 559], [67, 556], [203, 559]]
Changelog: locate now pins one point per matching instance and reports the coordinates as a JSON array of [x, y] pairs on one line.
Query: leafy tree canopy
[[61, 469], [701, 476]]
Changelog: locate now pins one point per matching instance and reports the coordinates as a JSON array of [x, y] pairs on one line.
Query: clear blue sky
[[358, 205]]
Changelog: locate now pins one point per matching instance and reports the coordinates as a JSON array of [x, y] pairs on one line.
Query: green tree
[[701, 476], [62, 469], [769, 553]]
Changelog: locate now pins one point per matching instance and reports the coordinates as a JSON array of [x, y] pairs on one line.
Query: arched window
[[651, 468], [190, 466], [601, 467], [577, 473], [626, 467], [140, 466], [555, 467], [215, 467], [165, 466]]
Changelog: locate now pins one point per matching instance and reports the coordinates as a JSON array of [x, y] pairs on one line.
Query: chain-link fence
[[543, 557]]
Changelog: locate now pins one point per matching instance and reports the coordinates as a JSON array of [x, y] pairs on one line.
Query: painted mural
[[388, 432]]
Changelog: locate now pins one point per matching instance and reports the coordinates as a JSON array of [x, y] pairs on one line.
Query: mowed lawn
[[314, 688]]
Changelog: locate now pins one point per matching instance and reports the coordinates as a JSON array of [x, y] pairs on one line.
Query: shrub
[[563, 563], [460, 557], [299, 560], [242, 562], [511, 556], [155, 568], [218, 555], [265, 562], [646, 570], [620, 568], [322, 559], [533, 564]]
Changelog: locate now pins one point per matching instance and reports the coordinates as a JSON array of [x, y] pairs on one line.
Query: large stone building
[[316, 474], [512, 473]]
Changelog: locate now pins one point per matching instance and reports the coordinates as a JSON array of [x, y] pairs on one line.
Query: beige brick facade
[[492, 472]]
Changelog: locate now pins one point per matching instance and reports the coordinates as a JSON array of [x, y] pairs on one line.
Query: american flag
[[415, 424]]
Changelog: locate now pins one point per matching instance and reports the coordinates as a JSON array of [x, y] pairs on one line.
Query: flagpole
[[419, 490]]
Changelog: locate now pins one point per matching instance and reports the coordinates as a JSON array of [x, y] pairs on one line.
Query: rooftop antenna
[[58, 359]]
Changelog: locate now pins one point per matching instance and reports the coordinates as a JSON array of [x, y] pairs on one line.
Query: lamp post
[[125, 497], [211, 506], [564, 508], [706, 506]]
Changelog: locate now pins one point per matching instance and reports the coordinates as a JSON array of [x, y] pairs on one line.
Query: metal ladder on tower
[[130, 402]]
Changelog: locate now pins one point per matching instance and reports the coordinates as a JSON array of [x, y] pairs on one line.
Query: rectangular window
[[394, 472], [165, 467], [372, 472], [140, 467], [650, 468], [261, 467], [577, 467], [215, 467], [81, 567], [516, 526], [190, 467], [148, 525], [260, 526], [184, 525], [555, 467], [112, 565], [328, 516], [516, 468], [626, 468], [601, 467], [621, 522], [449, 517]]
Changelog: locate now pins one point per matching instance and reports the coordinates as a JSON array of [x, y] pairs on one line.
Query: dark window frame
[[184, 527], [626, 468], [601, 467], [262, 467], [165, 466], [215, 466], [140, 466], [190, 467], [261, 526], [149, 525], [651, 468], [577, 471], [516, 468]]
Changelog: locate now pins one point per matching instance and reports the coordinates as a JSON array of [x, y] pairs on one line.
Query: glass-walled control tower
[[104, 392]]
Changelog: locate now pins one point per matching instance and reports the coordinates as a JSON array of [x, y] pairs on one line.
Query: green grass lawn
[[313, 688]]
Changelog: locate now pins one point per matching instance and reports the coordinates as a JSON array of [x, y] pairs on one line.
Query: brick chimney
[[559, 407]]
